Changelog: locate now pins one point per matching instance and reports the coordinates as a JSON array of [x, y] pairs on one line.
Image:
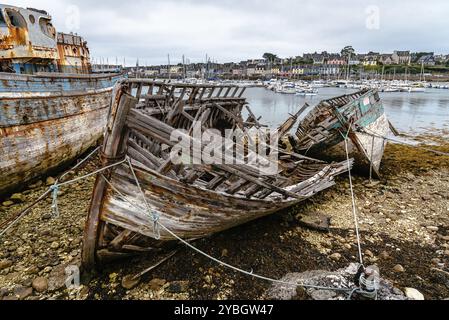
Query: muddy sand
[[404, 221]]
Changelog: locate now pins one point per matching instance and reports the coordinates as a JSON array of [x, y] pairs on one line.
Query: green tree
[[270, 56], [347, 51]]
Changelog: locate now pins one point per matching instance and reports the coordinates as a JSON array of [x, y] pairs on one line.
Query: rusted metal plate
[[26, 34], [74, 56]]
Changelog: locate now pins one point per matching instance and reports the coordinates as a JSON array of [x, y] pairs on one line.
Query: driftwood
[[193, 200]]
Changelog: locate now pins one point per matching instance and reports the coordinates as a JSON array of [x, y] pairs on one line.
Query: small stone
[[432, 228], [368, 253], [130, 282], [54, 245], [5, 264], [224, 253], [50, 181], [444, 238], [208, 279], [413, 294], [178, 287], [36, 185], [23, 292], [435, 261], [18, 198], [335, 256], [3, 292], [156, 284], [40, 284], [7, 204], [301, 294], [33, 270], [384, 255], [398, 268], [10, 298], [446, 253], [47, 269], [426, 198]]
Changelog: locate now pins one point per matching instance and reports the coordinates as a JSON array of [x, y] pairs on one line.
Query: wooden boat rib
[[47, 121], [361, 114], [193, 201]]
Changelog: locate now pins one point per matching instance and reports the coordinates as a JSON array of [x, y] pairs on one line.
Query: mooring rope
[[354, 205], [54, 189], [251, 274], [373, 134]]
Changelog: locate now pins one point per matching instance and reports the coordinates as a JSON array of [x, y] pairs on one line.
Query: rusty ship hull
[[47, 121]]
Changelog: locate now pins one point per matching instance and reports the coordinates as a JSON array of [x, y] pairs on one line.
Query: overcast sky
[[234, 30]]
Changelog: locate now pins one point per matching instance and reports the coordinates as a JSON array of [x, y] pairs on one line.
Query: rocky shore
[[404, 221]]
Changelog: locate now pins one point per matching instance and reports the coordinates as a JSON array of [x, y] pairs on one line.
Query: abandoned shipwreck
[[146, 201], [360, 117], [47, 94], [53, 109]]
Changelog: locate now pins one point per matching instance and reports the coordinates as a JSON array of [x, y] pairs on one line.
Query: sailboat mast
[[169, 67]]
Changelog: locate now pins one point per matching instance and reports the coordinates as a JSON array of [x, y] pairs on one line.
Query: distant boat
[[285, 88], [416, 89], [361, 115], [51, 108], [305, 90]]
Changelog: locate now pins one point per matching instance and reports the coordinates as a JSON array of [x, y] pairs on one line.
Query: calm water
[[409, 112]]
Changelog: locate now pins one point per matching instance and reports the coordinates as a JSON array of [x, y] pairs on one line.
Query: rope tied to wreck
[[54, 205], [157, 225], [220, 262], [368, 283], [375, 135], [55, 188], [154, 214], [351, 186]]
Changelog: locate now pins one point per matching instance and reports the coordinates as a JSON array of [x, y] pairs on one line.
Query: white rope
[[80, 163], [373, 134], [42, 197], [354, 205], [154, 214], [55, 188], [251, 274], [157, 222], [92, 173]]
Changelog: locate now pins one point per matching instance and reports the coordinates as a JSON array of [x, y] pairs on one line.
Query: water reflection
[[409, 112]]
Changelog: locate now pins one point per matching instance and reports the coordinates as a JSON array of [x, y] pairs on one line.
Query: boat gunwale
[[5, 76]]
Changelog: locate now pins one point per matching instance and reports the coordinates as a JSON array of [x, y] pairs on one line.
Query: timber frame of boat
[[47, 120], [361, 116], [192, 201]]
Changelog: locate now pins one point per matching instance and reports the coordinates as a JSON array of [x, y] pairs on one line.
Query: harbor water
[[411, 113]]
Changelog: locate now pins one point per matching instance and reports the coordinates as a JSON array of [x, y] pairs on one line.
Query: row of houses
[[323, 63]]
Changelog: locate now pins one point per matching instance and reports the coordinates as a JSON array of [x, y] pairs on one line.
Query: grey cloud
[[230, 30]]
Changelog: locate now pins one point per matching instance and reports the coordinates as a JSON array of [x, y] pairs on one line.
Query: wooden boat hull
[[47, 121], [192, 201], [189, 211], [361, 116]]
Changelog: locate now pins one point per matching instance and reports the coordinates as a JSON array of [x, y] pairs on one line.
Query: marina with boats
[[110, 135]]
